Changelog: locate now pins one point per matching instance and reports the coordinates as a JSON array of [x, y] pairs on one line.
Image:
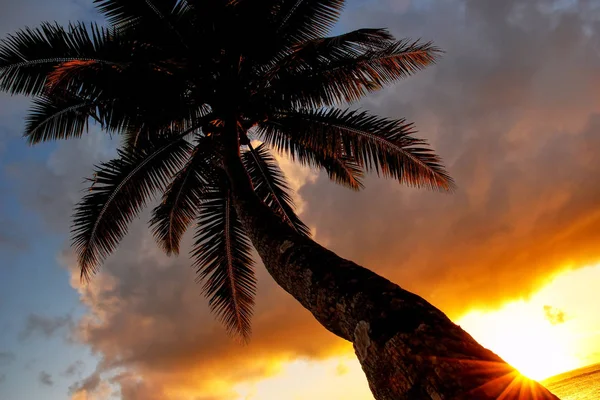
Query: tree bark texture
[[407, 348]]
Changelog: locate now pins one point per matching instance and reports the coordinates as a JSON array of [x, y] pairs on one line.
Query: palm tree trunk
[[408, 349]]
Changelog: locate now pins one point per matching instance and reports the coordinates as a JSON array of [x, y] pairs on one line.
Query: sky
[[513, 107]]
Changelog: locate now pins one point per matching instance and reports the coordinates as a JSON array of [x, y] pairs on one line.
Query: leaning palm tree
[[191, 86]]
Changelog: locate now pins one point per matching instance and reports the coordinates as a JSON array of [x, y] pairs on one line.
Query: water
[[579, 384]]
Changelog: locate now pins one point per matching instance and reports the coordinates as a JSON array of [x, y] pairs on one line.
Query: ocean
[[579, 384]]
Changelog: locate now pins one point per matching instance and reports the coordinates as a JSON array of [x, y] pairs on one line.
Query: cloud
[[45, 379], [7, 358], [153, 323], [554, 315], [53, 187], [2, 378], [73, 369], [87, 385], [45, 326], [512, 108], [103, 392]]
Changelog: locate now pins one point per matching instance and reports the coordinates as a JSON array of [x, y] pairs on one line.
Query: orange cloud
[[147, 317], [514, 110], [554, 315]]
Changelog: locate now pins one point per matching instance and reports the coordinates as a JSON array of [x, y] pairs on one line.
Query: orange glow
[[554, 331], [521, 335], [334, 378]]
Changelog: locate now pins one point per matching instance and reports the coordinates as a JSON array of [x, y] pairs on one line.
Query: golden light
[[334, 378], [521, 335], [553, 331]]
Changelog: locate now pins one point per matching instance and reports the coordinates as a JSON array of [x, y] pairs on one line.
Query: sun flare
[[537, 336], [521, 335]]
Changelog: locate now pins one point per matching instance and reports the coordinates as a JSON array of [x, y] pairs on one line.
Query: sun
[[521, 334]]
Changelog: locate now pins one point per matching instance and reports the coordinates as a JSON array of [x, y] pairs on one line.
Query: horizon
[[569, 374]]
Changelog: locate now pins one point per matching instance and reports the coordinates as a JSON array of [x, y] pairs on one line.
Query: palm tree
[[187, 85]]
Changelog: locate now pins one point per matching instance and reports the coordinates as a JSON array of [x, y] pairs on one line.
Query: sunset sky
[[513, 256]]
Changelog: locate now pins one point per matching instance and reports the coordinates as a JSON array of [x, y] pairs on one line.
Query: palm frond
[[159, 21], [223, 260], [180, 202], [125, 110], [330, 78], [121, 13], [53, 118], [29, 56], [300, 20], [120, 189], [342, 170], [305, 55], [385, 146], [179, 117], [271, 187], [129, 101]]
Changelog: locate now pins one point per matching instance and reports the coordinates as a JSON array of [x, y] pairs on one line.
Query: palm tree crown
[[166, 75]]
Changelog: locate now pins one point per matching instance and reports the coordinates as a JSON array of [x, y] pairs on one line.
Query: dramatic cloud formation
[[45, 378], [153, 322], [554, 315], [514, 109], [45, 326]]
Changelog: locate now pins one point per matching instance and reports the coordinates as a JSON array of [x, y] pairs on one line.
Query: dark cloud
[[2, 378], [73, 369], [45, 379], [45, 326], [7, 357], [554, 315], [513, 109]]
